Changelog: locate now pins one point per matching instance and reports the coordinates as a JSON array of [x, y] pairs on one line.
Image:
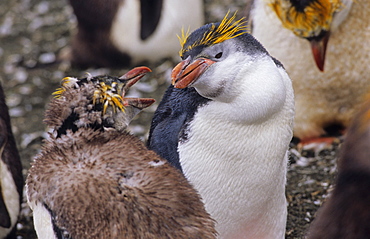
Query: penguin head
[[214, 57], [96, 102], [313, 20]]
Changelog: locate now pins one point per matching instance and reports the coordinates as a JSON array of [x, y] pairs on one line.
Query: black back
[[169, 124]]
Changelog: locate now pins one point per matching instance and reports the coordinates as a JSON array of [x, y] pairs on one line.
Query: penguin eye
[[218, 55]]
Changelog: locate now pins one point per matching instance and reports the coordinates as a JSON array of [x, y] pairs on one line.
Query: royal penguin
[[304, 35], [93, 179], [11, 178], [346, 214], [128, 32], [226, 123]]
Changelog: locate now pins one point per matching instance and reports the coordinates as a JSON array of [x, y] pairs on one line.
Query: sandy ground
[[32, 34]]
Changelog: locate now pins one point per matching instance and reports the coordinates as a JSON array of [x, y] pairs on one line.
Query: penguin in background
[[121, 33], [11, 178], [94, 179], [226, 123], [346, 213], [324, 46]]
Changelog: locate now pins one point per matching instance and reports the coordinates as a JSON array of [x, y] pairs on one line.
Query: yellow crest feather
[[104, 94], [317, 16], [227, 29], [66, 82], [183, 37]]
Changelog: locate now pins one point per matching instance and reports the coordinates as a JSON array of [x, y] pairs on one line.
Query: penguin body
[[93, 179], [331, 96], [235, 134], [11, 179], [128, 32], [346, 213]]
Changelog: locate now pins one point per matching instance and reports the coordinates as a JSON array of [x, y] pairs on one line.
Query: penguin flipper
[[150, 14], [164, 120], [4, 214], [169, 123]]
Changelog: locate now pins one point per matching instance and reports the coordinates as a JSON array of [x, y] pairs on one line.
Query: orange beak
[[318, 48], [186, 73], [133, 76], [130, 78]]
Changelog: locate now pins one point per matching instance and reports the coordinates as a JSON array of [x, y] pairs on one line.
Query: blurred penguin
[[304, 35], [11, 179], [120, 33], [346, 214]]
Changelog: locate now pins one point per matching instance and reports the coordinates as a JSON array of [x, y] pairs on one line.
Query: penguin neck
[[254, 94]]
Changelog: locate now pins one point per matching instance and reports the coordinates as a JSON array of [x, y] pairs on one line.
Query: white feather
[[236, 155], [176, 14], [42, 221]]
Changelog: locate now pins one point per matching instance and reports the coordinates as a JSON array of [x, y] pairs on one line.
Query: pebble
[[42, 7], [13, 100], [25, 89], [6, 27], [48, 57], [20, 75], [16, 112]]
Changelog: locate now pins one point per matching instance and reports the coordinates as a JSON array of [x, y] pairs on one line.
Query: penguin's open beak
[[318, 47], [133, 76], [187, 72], [129, 79]]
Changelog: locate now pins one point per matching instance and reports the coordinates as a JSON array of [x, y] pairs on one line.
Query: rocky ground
[[33, 33]]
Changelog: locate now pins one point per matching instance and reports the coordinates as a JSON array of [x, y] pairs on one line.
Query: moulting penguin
[[304, 35], [93, 179], [127, 32], [11, 178], [226, 122], [346, 214]]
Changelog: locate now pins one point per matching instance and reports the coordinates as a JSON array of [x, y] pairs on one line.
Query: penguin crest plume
[[105, 94], [306, 20], [216, 33]]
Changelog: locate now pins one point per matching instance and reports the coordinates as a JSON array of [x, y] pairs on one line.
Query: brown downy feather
[[102, 182]]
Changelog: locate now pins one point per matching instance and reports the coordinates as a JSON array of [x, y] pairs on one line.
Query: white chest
[[240, 172]]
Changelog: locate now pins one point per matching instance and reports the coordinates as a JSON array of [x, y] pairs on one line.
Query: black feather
[[169, 124]]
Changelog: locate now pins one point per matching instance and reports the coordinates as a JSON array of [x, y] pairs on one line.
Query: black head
[[216, 33]]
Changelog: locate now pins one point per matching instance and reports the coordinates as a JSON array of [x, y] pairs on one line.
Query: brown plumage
[[11, 179], [99, 181], [346, 214]]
